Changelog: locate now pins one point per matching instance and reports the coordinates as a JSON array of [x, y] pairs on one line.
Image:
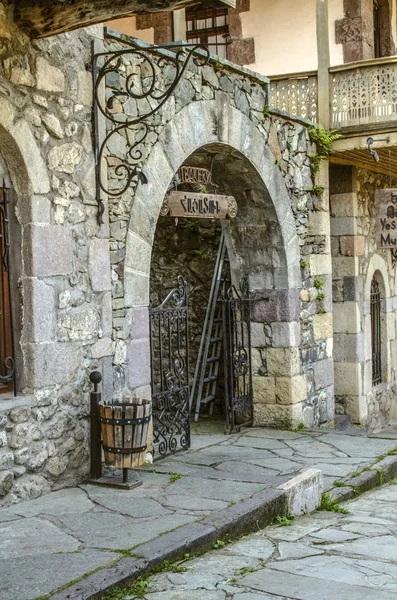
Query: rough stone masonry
[[80, 291]]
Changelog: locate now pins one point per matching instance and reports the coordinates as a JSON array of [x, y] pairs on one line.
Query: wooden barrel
[[124, 428]]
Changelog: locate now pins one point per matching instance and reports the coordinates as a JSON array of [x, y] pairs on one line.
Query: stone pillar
[[278, 383], [323, 63], [348, 295]]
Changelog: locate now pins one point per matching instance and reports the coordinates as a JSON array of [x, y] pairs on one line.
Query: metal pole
[[96, 464]]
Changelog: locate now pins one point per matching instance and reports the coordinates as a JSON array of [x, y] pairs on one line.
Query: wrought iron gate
[[169, 346], [237, 356]]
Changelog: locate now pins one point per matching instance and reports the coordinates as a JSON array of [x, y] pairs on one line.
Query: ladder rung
[[207, 399], [215, 339], [214, 359], [209, 379], [217, 320]]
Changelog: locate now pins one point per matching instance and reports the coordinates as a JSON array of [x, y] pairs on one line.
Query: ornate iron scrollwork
[[145, 92], [169, 346]]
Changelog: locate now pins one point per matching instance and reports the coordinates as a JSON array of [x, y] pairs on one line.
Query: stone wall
[[58, 288], [356, 260], [281, 235]]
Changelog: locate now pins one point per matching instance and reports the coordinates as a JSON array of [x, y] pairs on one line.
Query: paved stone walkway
[[323, 556], [47, 542]]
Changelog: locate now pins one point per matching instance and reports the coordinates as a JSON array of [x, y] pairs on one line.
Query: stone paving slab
[[205, 482], [29, 577], [265, 566]]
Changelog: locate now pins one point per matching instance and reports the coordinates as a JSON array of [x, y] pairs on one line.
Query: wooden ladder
[[210, 352]]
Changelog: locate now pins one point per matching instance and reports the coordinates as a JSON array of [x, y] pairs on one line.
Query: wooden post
[[323, 64]]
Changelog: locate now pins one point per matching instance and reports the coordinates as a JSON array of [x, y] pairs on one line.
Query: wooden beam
[[42, 18]]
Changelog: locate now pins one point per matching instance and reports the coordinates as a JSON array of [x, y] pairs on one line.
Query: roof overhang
[[43, 18]]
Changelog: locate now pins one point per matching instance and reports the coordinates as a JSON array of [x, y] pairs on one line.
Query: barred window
[[376, 335], [207, 26]]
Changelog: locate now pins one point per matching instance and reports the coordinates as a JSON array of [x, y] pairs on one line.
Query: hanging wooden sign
[[194, 175], [386, 218], [203, 206]]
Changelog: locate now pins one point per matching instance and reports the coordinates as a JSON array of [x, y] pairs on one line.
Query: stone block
[[258, 335], [322, 326], [51, 250], [348, 347], [32, 158], [346, 317], [38, 311], [286, 335], [353, 288], [136, 287], [65, 158], [281, 305], [106, 316], [347, 379], [304, 492], [51, 363], [323, 372], [283, 362], [264, 390], [84, 88], [6, 481], [49, 78], [140, 323], [344, 205], [291, 390], [279, 416], [352, 245], [101, 348], [357, 409], [343, 226], [320, 264], [36, 211], [99, 265], [138, 253], [319, 223], [138, 363]]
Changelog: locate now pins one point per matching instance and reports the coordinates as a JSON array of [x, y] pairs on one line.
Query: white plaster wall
[[285, 35], [128, 26]]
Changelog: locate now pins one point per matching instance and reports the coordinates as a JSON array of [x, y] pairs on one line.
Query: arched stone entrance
[[262, 241]]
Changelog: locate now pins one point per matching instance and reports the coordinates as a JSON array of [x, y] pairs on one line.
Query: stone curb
[[368, 480], [234, 521]]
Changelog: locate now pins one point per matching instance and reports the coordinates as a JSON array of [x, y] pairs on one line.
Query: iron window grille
[[208, 26], [376, 337]]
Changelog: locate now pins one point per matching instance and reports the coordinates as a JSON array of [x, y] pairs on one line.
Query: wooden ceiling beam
[[43, 18]]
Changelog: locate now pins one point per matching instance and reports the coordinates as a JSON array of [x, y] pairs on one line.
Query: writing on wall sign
[[204, 206], [386, 218]]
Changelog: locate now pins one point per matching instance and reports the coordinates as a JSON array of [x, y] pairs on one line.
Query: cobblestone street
[[322, 556], [63, 536]]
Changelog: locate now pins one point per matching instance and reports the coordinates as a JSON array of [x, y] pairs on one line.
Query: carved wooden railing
[[362, 95], [295, 94]]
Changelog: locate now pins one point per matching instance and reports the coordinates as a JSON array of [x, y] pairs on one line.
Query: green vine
[[266, 110], [323, 140]]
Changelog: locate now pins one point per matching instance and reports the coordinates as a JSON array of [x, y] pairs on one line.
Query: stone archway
[[271, 252]]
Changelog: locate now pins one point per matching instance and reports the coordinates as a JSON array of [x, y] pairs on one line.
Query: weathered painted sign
[[194, 175], [204, 206], [386, 218]]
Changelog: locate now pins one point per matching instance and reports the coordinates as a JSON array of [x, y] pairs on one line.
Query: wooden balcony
[[363, 95]]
